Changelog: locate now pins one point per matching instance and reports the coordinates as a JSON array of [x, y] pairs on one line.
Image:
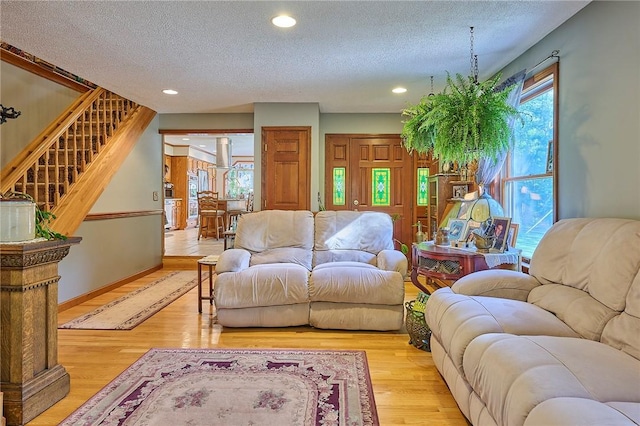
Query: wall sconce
[[7, 113]]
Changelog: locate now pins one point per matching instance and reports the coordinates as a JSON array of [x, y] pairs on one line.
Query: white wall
[[599, 96]]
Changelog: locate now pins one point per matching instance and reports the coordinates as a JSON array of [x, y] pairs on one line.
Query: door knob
[[355, 205]]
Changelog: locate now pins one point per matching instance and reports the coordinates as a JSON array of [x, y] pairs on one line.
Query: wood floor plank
[[408, 389]]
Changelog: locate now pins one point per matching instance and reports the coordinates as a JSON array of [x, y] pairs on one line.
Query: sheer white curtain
[[487, 168]]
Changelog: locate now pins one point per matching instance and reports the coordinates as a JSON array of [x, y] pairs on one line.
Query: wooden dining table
[[231, 206]]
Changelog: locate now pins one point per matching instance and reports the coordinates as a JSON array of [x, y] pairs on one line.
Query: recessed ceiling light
[[399, 90], [283, 21], [185, 139], [169, 92], [202, 146]]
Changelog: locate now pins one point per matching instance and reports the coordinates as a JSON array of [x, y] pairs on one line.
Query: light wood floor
[[185, 243], [407, 387]]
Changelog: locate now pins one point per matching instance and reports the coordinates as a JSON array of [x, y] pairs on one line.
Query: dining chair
[[210, 215]]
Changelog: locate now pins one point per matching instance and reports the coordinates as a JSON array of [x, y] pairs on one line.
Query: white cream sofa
[[560, 346], [337, 270]]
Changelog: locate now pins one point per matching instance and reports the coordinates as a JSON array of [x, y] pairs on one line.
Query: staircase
[[66, 168]]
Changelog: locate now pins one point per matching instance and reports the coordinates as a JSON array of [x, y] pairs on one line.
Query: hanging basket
[[419, 332]]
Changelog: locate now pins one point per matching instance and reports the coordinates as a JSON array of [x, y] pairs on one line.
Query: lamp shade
[[485, 207]]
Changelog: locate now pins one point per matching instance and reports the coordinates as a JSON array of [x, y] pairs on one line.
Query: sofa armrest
[[233, 260], [496, 283], [393, 260]]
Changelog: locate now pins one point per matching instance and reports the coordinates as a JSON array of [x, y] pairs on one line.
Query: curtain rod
[[554, 54]]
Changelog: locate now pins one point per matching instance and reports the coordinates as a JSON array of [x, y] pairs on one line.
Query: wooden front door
[[373, 173], [286, 181]]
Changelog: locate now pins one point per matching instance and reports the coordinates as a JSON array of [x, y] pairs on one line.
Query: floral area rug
[[236, 387], [133, 308]]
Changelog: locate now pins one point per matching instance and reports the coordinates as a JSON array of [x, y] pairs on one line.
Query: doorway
[[373, 173], [193, 156]]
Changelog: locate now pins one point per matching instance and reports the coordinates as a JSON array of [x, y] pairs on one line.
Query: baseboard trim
[[102, 290]]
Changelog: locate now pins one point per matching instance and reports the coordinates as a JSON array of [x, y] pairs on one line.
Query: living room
[[598, 176]]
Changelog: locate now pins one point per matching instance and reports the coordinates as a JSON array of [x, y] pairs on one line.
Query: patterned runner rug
[[133, 308], [236, 387]]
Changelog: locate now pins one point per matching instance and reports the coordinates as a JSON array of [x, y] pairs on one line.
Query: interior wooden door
[[286, 183], [373, 173]]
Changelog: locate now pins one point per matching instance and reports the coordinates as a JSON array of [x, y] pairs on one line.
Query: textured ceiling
[[223, 56]]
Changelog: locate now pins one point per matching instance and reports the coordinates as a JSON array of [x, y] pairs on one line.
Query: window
[[238, 180], [529, 189]]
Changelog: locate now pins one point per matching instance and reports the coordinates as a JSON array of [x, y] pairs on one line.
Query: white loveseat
[[560, 346], [336, 270]]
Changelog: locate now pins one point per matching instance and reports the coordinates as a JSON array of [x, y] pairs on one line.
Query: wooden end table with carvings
[[443, 265]]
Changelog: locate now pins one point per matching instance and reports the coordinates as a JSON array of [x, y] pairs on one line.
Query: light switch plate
[[155, 195]]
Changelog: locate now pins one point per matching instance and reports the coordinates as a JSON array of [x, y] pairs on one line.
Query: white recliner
[[337, 269]]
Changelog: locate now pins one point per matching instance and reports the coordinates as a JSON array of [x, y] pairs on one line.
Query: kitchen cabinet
[[172, 211]]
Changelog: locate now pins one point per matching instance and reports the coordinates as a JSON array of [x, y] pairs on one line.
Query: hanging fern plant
[[467, 121]]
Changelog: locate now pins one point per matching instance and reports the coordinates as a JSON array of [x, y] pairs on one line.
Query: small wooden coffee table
[[209, 262]]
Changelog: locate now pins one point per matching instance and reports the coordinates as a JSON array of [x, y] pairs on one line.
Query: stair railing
[[54, 160]]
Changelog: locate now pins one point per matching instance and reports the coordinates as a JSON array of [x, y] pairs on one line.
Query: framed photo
[[501, 232], [550, 157], [457, 229], [472, 225], [459, 191], [513, 234]]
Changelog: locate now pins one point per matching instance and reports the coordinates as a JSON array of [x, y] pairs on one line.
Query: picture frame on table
[[513, 234], [472, 225], [501, 232], [457, 229]]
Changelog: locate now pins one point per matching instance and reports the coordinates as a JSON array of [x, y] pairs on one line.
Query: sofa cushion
[[577, 308], [513, 374], [598, 256], [265, 316], [265, 230], [348, 235], [622, 331], [295, 255], [356, 316], [354, 282], [580, 411], [456, 319], [262, 285]]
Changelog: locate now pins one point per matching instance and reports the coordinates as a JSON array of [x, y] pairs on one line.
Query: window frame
[[533, 87]]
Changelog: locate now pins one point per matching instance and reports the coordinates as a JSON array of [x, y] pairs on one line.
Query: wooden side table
[[209, 262], [442, 265]]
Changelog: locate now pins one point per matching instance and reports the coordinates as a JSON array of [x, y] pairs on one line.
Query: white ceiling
[[224, 56]]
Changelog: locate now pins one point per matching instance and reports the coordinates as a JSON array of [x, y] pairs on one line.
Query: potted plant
[[467, 121]]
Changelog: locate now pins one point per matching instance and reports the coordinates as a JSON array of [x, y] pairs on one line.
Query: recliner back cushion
[[351, 236], [277, 236], [598, 257], [622, 331]]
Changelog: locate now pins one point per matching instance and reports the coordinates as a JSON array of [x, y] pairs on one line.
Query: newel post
[[31, 378]]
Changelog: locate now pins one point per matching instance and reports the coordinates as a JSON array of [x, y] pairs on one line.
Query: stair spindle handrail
[[43, 142], [48, 167]]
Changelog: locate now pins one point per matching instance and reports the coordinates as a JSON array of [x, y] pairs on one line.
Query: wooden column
[[32, 380]]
